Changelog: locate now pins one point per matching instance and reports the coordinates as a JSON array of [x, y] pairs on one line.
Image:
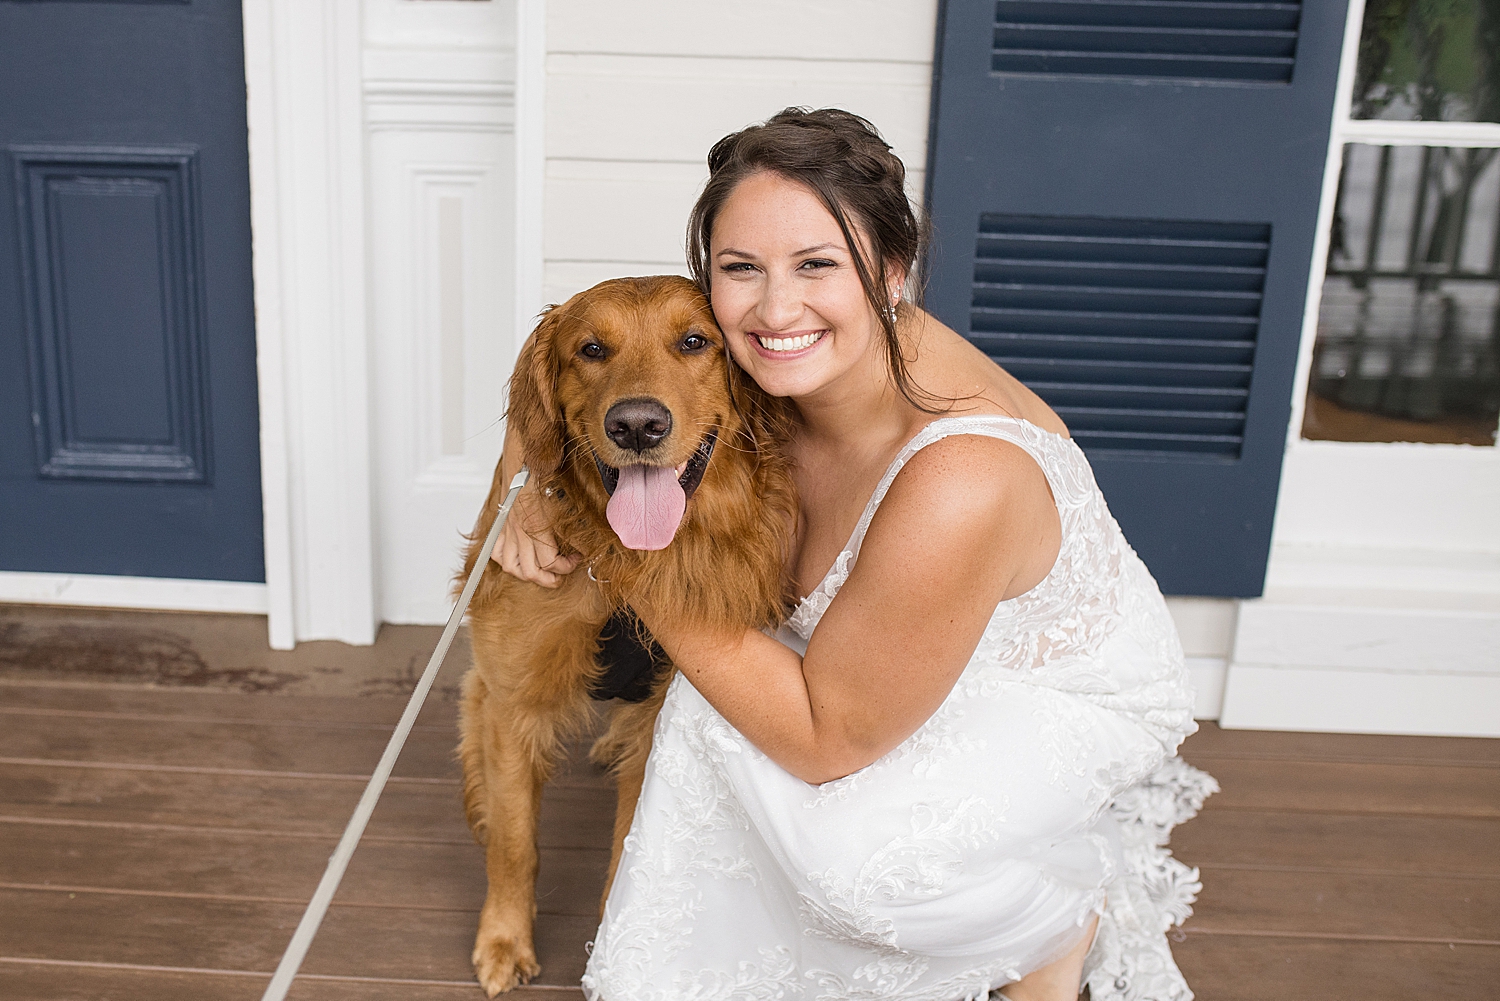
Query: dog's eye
[[593, 349], [694, 342]]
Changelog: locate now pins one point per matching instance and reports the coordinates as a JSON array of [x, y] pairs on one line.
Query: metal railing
[[1410, 322]]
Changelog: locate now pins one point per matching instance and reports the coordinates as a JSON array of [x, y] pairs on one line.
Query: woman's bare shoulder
[[967, 475], [950, 368], [955, 498]]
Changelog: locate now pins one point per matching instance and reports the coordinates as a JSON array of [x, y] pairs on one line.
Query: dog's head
[[625, 393]]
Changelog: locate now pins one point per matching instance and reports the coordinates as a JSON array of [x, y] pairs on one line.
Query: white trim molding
[[1393, 133], [1271, 697], [159, 593], [1207, 675], [1370, 641], [303, 78]]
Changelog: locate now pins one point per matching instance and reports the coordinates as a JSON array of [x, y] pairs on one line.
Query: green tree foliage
[[1429, 60]]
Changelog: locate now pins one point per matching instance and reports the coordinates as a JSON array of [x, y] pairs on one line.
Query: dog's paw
[[502, 963]]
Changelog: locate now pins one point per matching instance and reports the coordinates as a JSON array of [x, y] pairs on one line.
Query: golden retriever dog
[[659, 467]]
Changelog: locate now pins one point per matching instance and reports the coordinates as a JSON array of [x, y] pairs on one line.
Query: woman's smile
[[786, 346]]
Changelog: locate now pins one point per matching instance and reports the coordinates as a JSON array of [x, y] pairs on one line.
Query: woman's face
[[785, 291]]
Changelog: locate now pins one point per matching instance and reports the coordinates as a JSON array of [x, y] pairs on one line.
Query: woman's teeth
[[789, 343]]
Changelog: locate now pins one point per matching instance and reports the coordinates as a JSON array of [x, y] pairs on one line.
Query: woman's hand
[[527, 548]]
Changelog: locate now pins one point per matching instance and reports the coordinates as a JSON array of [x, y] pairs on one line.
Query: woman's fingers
[[527, 548], [548, 557]]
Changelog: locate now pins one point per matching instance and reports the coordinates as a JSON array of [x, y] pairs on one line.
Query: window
[[1408, 338]]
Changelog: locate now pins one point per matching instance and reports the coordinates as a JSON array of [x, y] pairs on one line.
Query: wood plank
[[223, 652], [1342, 787], [47, 982], [576, 814], [250, 936], [249, 803], [1415, 906], [245, 742], [148, 704], [1448, 845], [306, 989], [103, 928], [1245, 968], [436, 945], [67, 982], [452, 877], [1212, 741], [272, 747], [886, 31], [212, 703]]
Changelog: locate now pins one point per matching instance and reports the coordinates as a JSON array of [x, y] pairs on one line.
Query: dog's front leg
[[533, 657], [516, 761]]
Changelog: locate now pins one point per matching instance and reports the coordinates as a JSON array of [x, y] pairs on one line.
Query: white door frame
[[302, 77]]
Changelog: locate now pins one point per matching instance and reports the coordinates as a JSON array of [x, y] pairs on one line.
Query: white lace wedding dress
[[1042, 791]]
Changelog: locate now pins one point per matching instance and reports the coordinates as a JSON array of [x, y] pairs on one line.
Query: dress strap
[[1023, 434], [1043, 446]]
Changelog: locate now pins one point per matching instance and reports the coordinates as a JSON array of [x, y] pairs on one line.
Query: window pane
[[1429, 61], [1408, 344]]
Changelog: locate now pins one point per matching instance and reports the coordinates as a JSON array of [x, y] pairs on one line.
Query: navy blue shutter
[[1125, 195]]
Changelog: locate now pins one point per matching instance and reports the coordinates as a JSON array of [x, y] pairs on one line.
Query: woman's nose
[[780, 307]]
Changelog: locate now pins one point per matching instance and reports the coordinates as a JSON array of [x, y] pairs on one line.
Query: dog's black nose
[[638, 424]]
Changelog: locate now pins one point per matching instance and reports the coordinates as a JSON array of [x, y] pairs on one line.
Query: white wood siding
[[638, 92]]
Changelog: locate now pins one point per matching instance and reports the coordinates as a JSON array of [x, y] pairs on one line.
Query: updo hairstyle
[[842, 159]]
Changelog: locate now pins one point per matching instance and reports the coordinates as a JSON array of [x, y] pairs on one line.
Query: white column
[[307, 187]]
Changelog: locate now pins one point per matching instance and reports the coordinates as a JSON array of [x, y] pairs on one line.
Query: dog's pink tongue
[[647, 506]]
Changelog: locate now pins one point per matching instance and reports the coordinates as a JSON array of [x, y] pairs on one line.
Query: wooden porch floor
[[160, 841]]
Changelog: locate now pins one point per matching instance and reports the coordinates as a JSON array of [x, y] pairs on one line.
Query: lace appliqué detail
[[937, 741], [812, 607], [1131, 960], [665, 862], [914, 865]]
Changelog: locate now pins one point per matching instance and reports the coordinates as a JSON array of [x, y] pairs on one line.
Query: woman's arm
[[968, 522]]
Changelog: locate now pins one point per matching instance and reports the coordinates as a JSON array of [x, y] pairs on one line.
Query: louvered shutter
[[1159, 38], [1125, 194]]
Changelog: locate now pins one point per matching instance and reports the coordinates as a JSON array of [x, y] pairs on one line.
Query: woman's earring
[[891, 309]]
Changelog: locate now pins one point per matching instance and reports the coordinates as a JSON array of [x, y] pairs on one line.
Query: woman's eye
[[739, 267], [817, 264], [592, 349], [694, 342]]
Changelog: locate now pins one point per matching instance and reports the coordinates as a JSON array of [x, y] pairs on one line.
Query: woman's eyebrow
[[732, 252]]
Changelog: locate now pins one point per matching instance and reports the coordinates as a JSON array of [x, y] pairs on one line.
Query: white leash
[[302, 938]]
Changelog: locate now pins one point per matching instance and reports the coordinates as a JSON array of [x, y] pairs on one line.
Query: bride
[[953, 770]]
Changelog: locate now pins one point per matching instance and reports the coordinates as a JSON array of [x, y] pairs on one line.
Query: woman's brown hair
[[842, 159]]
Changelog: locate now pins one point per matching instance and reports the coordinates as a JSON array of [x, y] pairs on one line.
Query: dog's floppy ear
[[533, 411]]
